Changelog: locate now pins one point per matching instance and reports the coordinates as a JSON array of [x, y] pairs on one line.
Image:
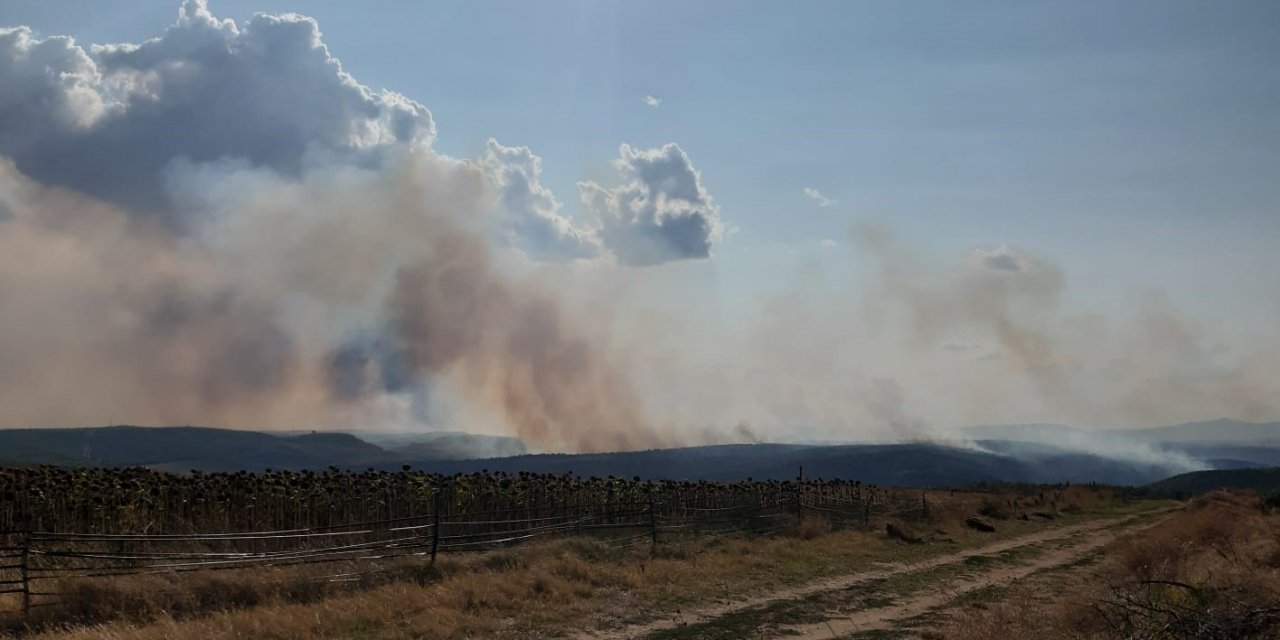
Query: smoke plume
[[220, 226]]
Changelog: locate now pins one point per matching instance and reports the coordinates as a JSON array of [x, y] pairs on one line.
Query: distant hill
[[181, 449], [910, 465], [1260, 480], [1228, 456], [445, 445]]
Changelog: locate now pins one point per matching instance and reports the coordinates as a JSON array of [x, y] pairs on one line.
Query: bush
[[1271, 500]]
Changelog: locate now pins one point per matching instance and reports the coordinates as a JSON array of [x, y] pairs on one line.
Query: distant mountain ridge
[[1260, 480], [181, 449]]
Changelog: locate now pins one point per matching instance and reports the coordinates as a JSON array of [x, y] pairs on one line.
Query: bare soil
[[1065, 545]]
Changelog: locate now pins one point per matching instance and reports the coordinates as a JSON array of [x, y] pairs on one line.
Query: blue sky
[[1136, 145]]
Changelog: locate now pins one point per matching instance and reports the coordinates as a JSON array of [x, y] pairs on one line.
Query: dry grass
[[531, 591], [811, 526], [506, 594], [1210, 571]]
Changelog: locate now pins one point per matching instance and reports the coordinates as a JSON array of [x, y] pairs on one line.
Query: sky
[[1130, 149]]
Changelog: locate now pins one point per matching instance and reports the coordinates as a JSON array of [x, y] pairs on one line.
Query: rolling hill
[[1186, 484], [181, 449]]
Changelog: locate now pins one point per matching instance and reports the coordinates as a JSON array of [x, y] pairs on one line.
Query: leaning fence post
[[800, 497], [26, 574], [866, 515], [435, 525]]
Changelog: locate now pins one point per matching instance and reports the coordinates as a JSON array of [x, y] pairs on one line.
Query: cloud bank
[[266, 93]]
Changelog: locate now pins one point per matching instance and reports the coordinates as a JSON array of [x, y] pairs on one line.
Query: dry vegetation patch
[[1211, 571], [543, 588]]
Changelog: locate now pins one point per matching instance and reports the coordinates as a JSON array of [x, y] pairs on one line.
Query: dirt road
[[875, 600]]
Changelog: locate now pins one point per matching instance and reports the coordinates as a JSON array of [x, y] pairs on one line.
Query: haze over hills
[[1024, 454], [1186, 484], [1212, 444], [1221, 431]]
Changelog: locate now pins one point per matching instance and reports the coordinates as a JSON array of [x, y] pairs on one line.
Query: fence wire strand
[[52, 555]]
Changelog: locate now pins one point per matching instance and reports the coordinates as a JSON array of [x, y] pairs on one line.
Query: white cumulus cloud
[[653, 101], [532, 219], [107, 120], [660, 214]]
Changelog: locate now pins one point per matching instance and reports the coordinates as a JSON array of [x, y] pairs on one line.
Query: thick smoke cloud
[[895, 345], [663, 213], [104, 312], [220, 226]]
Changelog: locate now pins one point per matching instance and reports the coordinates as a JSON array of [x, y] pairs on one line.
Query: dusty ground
[[896, 599]]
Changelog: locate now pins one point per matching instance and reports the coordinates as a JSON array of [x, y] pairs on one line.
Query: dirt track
[[1070, 544]]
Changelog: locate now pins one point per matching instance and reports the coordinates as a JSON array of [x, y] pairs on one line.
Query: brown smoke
[[357, 297], [514, 347], [111, 317], [108, 317]]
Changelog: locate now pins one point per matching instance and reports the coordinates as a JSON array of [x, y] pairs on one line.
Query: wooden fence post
[[800, 497], [24, 567], [653, 524], [924, 504], [435, 528], [866, 515]]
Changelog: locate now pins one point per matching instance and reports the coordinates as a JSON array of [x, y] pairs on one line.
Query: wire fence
[[36, 566]]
